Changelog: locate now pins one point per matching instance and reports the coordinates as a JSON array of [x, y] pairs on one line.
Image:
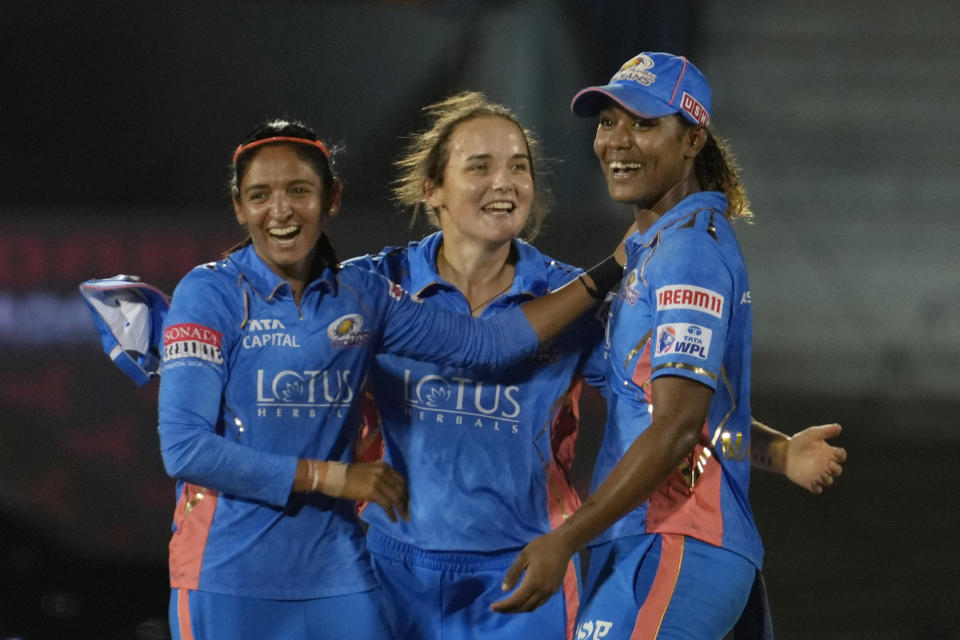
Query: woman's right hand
[[379, 483]]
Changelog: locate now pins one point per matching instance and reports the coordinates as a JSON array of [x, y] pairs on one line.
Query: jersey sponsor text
[[190, 340], [683, 338], [688, 296]]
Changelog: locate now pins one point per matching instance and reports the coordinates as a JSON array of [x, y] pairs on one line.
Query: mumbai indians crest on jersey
[[348, 331], [635, 69], [631, 287]]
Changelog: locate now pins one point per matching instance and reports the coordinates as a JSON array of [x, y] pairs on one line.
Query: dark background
[[119, 120]]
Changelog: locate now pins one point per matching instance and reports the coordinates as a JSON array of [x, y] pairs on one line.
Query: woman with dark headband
[[264, 352]]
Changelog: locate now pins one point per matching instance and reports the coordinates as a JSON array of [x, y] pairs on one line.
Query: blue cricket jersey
[[683, 309], [485, 455], [251, 382]]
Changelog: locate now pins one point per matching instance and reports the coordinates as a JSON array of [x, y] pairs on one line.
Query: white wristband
[[336, 478]]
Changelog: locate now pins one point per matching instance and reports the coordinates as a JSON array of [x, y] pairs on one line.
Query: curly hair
[[428, 152], [717, 170]]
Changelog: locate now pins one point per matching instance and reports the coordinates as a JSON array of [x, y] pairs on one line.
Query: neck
[[647, 215], [480, 272]]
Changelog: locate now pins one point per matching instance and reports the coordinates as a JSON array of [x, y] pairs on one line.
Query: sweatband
[[605, 276], [335, 479]]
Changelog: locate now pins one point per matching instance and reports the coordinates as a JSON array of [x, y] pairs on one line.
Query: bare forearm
[[549, 314], [768, 447]]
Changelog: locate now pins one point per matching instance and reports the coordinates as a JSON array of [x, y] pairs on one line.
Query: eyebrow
[[487, 156], [255, 187]]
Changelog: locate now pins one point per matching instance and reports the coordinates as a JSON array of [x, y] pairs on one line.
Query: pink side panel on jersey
[[190, 539], [571, 595], [562, 499], [661, 591], [676, 508], [183, 615], [641, 373]]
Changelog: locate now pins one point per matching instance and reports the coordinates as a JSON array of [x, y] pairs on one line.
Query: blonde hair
[[427, 155]]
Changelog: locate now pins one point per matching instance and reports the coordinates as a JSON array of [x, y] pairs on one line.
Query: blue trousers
[[664, 587]]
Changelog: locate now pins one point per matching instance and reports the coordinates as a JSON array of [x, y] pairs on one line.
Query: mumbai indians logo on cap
[[635, 70]]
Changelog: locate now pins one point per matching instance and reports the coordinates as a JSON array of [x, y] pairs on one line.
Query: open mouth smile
[[284, 233], [499, 207]]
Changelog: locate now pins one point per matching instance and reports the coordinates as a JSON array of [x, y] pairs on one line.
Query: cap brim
[[590, 101]]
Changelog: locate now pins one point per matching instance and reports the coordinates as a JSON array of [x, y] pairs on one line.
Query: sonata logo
[[190, 340]]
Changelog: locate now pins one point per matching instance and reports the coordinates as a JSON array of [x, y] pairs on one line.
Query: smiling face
[[282, 203], [487, 185], [647, 162]]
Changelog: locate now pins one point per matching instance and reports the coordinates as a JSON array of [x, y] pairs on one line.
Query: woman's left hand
[[810, 461], [543, 564]]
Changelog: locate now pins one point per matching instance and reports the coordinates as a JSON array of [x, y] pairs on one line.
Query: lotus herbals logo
[[303, 393], [459, 400], [348, 331]]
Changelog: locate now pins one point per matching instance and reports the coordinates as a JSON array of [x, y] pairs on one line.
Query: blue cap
[[128, 315], [651, 85]]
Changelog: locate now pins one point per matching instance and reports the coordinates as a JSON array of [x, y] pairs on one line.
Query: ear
[[335, 198], [433, 193], [238, 211], [696, 138]]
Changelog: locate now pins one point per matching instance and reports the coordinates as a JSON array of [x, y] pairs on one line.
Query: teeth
[[283, 231], [498, 206], [619, 165]]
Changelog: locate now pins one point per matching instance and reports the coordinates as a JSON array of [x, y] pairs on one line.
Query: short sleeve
[[691, 290]]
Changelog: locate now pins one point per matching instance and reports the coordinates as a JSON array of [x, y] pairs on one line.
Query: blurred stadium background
[[119, 121]]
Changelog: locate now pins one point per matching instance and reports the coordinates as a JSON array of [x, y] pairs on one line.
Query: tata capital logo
[[635, 69], [348, 331], [462, 401], [265, 333]]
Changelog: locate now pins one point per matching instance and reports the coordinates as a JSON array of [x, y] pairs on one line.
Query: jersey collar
[[531, 275], [267, 283], [692, 203]]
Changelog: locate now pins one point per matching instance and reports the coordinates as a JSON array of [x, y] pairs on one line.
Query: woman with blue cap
[[674, 551]]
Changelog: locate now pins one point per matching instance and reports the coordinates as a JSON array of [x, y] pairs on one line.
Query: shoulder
[[214, 282], [554, 272], [390, 262]]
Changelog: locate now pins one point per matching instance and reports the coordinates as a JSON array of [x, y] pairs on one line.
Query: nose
[[502, 180], [616, 136], [282, 207]]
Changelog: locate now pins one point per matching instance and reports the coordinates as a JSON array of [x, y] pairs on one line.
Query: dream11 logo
[[462, 401]]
